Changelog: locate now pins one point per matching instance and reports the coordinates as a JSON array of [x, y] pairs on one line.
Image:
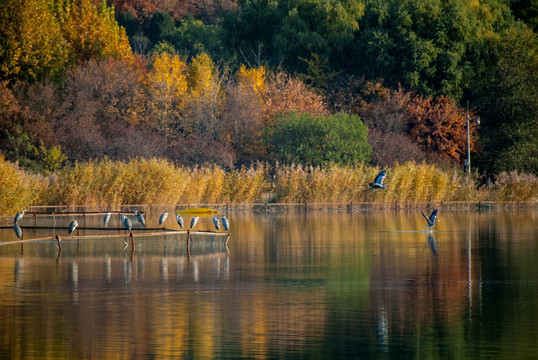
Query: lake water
[[321, 285]]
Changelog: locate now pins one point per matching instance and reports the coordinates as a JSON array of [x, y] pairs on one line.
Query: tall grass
[[410, 182], [157, 181], [153, 181], [18, 189], [514, 186]]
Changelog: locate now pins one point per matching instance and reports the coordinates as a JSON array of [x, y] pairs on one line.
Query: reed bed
[[157, 181], [18, 189]]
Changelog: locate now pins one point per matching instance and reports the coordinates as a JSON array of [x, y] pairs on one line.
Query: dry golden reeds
[[158, 181], [18, 189]]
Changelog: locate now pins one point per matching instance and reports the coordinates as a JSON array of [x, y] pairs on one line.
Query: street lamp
[[468, 161]]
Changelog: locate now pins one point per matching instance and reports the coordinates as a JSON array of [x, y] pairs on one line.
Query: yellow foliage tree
[[92, 32], [206, 100], [42, 38], [167, 83], [32, 44], [254, 78]]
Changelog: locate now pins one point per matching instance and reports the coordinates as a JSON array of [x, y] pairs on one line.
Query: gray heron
[[432, 220], [216, 223], [163, 217], [140, 218], [180, 221], [127, 224], [18, 231], [194, 221], [225, 223], [107, 217], [19, 216], [72, 226], [378, 181]]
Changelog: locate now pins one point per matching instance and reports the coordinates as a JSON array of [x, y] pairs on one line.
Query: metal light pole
[[468, 161]]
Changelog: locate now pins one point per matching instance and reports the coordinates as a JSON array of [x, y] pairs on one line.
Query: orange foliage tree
[[284, 93], [439, 125]]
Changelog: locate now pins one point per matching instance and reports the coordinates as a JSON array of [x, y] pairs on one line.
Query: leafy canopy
[[318, 140]]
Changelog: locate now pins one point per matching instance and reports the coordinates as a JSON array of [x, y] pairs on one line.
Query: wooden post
[[59, 239], [132, 239]]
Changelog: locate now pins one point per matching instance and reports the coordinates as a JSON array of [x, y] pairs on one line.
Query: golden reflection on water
[[320, 284]]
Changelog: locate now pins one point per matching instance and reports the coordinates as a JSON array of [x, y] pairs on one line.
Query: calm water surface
[[320, 285]]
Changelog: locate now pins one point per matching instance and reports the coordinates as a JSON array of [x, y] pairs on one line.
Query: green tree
[[507, 96], [424, 45], [318, 140], [288, 30]]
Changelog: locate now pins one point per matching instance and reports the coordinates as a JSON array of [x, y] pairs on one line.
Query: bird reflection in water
[[433, 244]]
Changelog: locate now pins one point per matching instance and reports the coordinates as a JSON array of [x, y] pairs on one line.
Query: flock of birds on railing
[[128, 225]]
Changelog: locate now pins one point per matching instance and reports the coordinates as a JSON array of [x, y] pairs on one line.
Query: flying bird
[[194, 221], [378, 181], [19, 216], [180, 221], [163, 217], [432, 220], [72, 226], [225, 223], [216, 223]]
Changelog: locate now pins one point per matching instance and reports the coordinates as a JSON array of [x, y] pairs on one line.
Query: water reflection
[[321, 285]]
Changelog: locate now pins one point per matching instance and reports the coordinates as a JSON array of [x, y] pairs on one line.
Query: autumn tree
[[204, 137], [107, 99], [25, 135], [244, 112], [32, 44], [440, 126], [283, 93], [167, 85], [43, 38]]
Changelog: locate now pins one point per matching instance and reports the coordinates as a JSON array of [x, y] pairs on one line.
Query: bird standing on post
[[216, 223], [140, 218], [432, 220], [180, 221], [107, 217], [72, 226], [163, 217], [127, 224], [225, 223], [19, 216], [378, 181], [194, 221]]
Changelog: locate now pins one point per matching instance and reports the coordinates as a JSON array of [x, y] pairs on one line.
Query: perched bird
[[378, 181], [432, 220], [225, 223], [19, 216], [127, 224], [107, 217], [180, 221], [72, 226], [163, 217], [18, 231], [216, 223], [194, 221], [140, 218], [122, 218]]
